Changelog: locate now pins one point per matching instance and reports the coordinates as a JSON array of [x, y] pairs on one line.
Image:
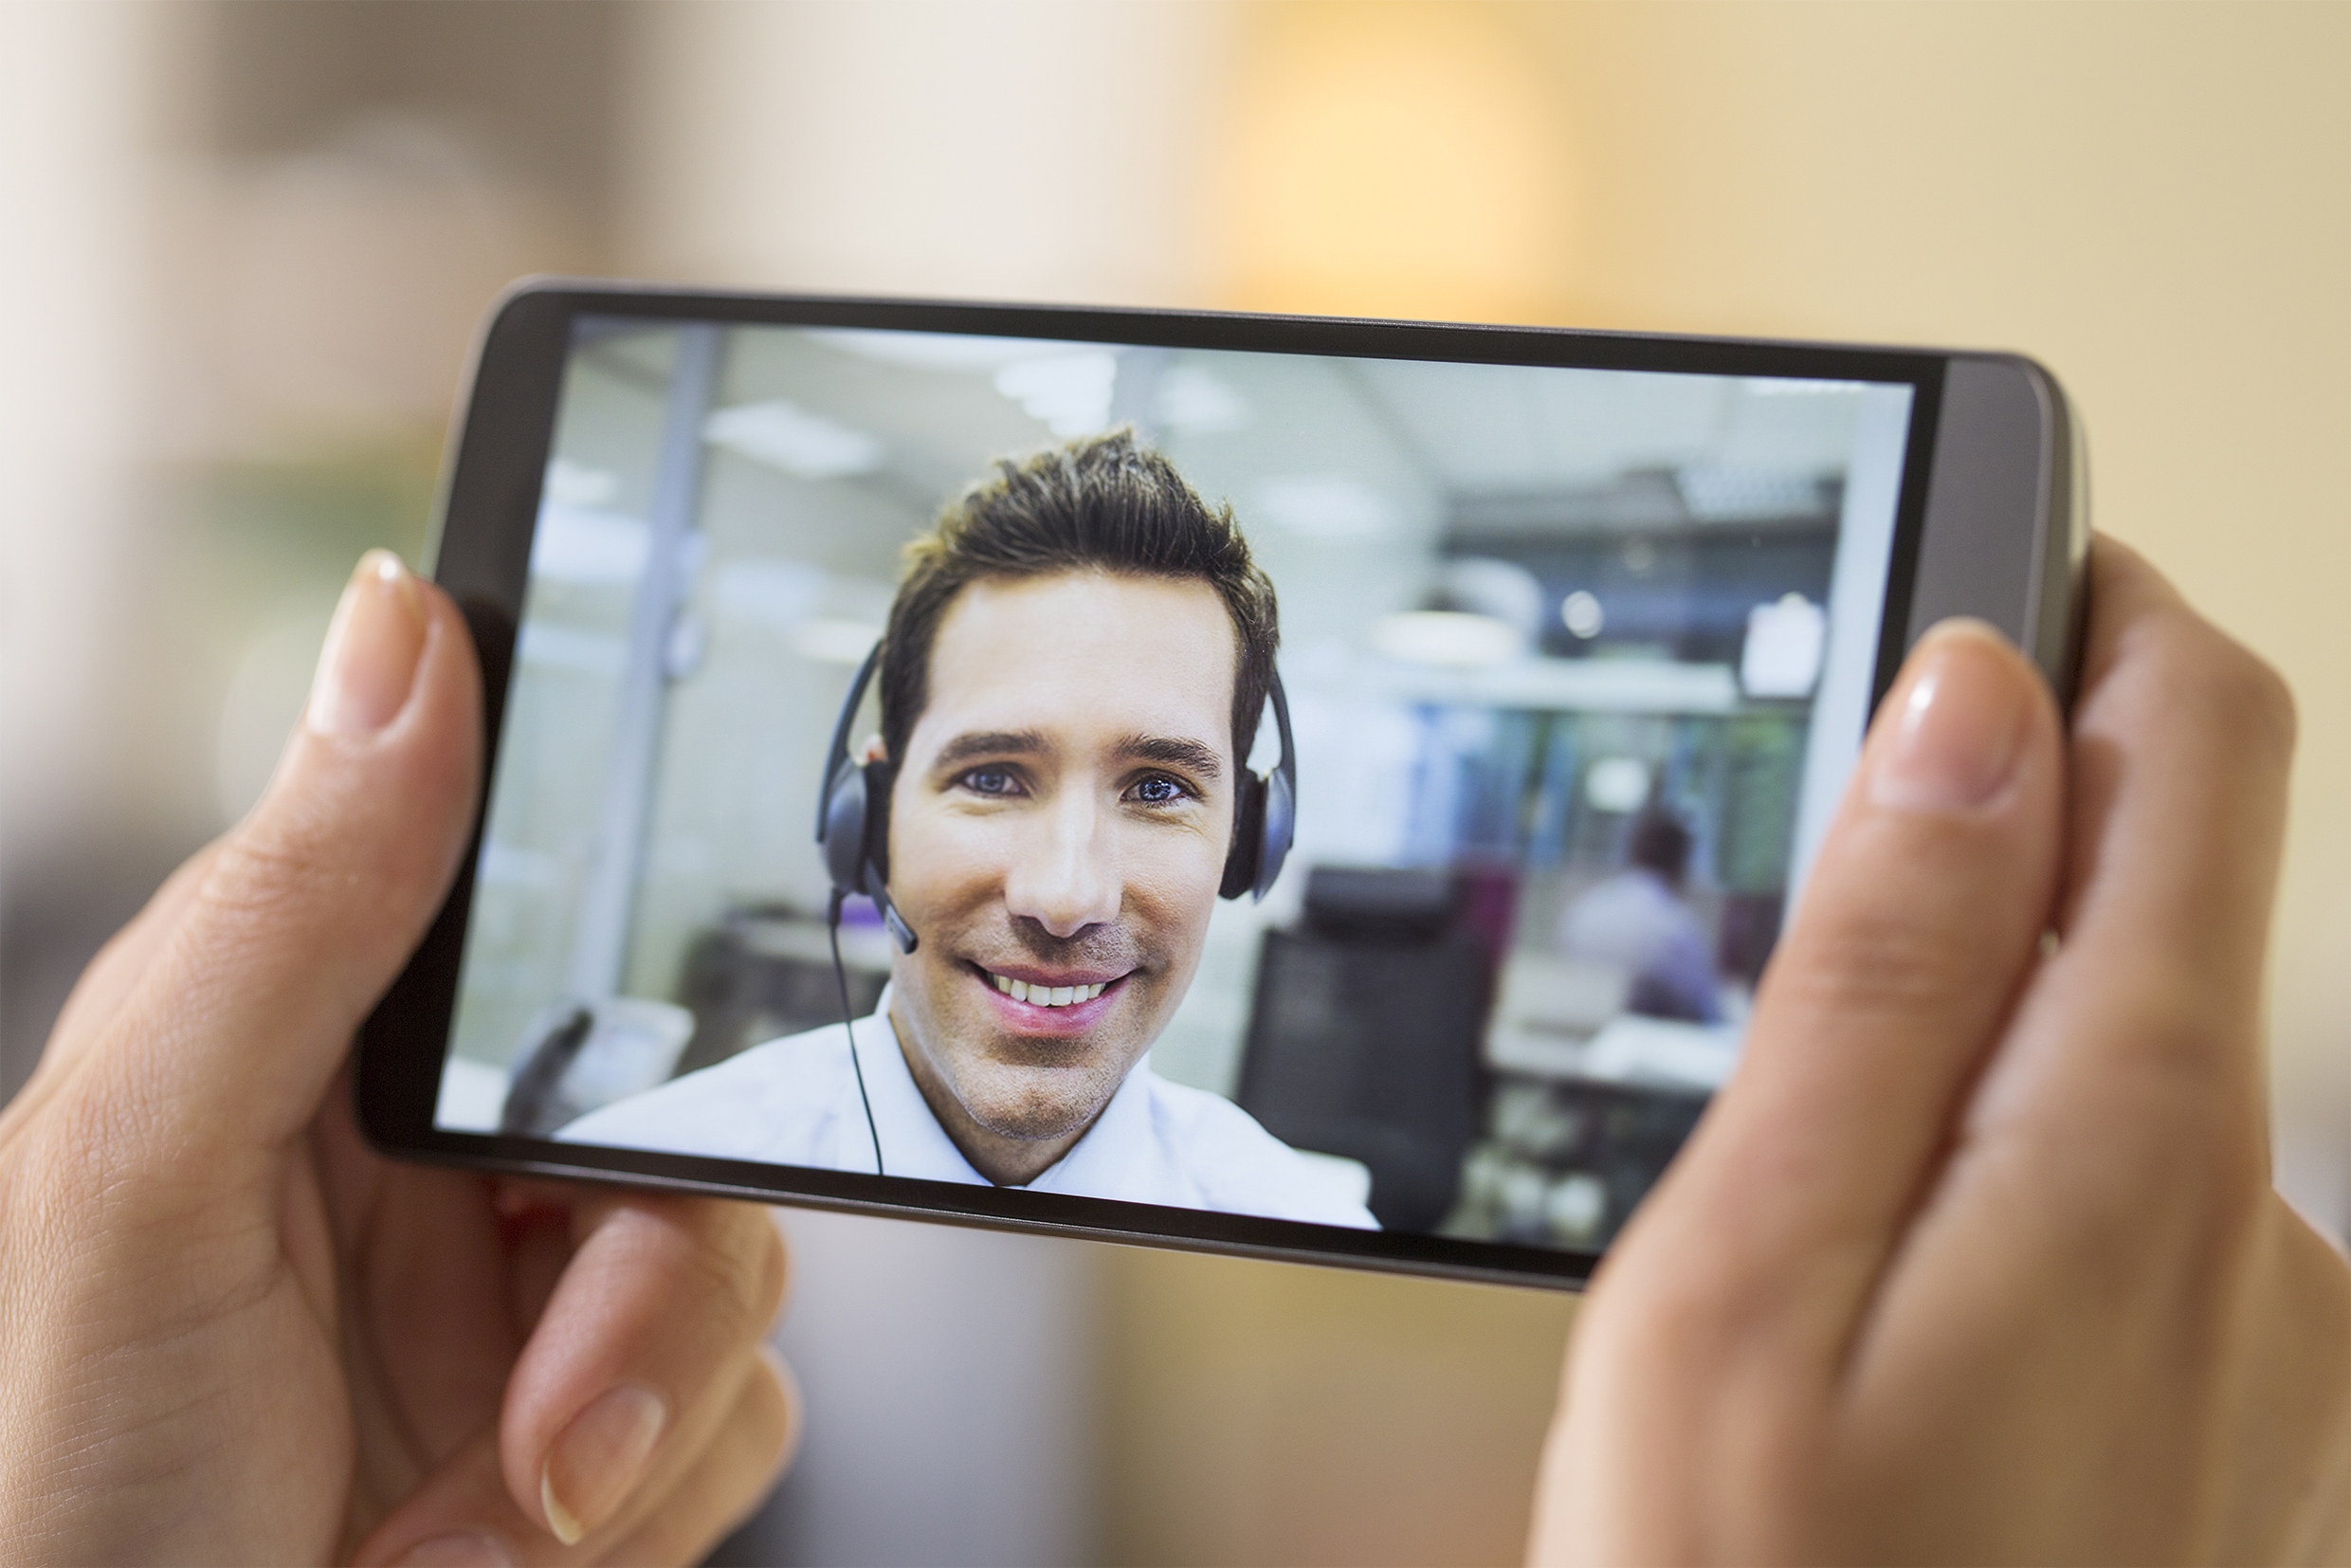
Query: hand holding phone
[[235, 1334], [1976, 1258]]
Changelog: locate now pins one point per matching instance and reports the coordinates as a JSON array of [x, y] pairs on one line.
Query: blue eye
[[1159, 792], [990, 781]]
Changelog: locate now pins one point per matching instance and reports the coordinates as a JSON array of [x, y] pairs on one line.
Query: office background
[[248, 244], [1575, 660]]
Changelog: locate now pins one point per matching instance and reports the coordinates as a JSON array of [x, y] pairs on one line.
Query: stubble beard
[[1032, 1088]]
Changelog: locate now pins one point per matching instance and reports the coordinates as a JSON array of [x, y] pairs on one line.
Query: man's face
[[1059, 828]]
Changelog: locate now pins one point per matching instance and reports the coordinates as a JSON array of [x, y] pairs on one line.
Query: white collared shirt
[[795, 1101]]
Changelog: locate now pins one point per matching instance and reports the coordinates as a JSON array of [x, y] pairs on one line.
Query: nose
[[1065, 875]]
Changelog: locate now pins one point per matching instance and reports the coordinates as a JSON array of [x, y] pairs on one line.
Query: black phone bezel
[[489, 510]]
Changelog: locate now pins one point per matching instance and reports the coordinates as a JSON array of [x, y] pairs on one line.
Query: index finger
[[2180, 745], [640, 1350], [1894, 979], [2181, 749]]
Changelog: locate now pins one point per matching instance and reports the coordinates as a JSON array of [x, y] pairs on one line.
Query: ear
[[873, 750]]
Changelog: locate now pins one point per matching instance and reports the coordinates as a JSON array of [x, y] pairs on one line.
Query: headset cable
[[849, 1025]]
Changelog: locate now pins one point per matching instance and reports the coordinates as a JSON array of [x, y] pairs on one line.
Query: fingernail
[[370, 660], [459, 1549], [1956, 739], [597, 1460]]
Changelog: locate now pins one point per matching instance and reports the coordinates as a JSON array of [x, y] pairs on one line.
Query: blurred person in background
[[1975, 1257], [1638, 921]]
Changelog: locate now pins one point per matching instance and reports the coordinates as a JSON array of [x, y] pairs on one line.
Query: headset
[[853, 826]]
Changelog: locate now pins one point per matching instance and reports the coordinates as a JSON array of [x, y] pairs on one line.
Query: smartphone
[[1314, 788]]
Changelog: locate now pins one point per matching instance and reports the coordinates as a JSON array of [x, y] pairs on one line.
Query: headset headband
[[838, 753]]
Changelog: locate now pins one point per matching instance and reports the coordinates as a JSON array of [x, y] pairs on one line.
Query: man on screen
[[1073, 671]]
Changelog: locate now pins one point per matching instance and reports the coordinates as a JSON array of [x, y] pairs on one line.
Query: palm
[[229, 1333], [352, 1332], [435, 1293]]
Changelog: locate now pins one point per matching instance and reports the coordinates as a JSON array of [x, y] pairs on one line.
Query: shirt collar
[[1111, 1156], [913, 1142], [1118, 1154]]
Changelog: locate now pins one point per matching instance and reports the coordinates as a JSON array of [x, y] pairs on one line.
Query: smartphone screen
[[1575, 662]]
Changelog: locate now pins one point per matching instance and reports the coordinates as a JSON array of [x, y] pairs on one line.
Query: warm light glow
[[1396, 159]]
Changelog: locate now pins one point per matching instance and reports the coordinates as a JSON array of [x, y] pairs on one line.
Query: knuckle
[[735, 1263], [1665, 1303], [2264, 703], [262, 871], [2181, 1160], [1876, 967], [2226, 686]]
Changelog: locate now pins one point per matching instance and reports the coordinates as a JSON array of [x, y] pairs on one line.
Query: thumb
[[1920, 923], [313, 903]]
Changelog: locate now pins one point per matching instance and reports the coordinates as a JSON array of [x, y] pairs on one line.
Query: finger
[[1922, 917], [2111, 1175], [462, 1512], [2143, 1027], [2182, 741], [751, 1454], [312, 903], [635, 1350]]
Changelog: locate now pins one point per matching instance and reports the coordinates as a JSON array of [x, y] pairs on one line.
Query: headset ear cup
[[1280, 813], [1249, 819], [879, 779], [845, 827]]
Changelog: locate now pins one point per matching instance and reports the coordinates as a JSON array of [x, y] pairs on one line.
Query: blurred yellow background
[[247, 244]]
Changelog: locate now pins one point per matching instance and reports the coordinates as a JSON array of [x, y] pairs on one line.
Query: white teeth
[[1038, 996]]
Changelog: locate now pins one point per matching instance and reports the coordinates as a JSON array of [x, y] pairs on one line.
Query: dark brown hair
[[1104, 502]]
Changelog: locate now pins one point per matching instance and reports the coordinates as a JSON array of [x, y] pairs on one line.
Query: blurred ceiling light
[[934, 351], [579, 485], [1448, 639], [1580, 612], [1781, 657], [1396, 159], [1479, 585], [1070, 392], [1320, 506], [1618, 784], [835, 641], [783, 436], [584, 545], [1787, 385], [552, 646], [1193, 398], [767, 592], [1716, 494]]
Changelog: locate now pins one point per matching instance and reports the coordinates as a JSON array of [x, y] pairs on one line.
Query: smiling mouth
[[1045, 996]]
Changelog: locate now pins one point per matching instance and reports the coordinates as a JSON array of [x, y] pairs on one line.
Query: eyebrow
[[1168, 751], [1172, 753], [984, 743]]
